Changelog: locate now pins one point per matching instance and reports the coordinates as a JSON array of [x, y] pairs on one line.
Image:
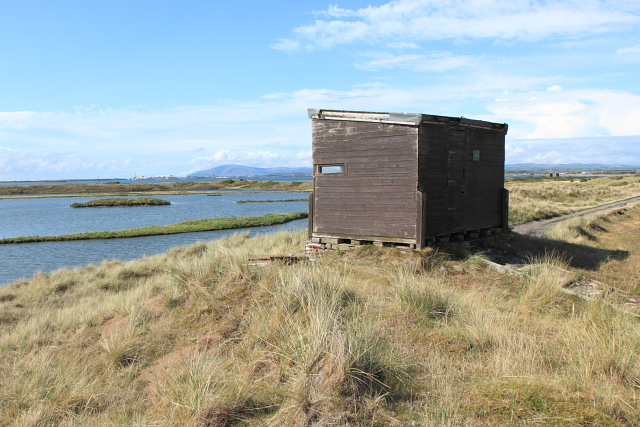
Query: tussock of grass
[[542, 282], [121, 202], [179, 227], [425, 299]]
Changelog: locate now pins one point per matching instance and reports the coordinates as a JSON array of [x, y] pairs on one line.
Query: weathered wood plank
[[407, 183], [372, 151], [349, 194], [365, 214], [366, 140], [370, 231], [379, 204], [384, 160]]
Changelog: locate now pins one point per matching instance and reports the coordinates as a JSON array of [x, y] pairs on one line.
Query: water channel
[[53, 216]]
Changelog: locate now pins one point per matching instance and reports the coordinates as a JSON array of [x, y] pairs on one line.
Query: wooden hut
[[397, 178]]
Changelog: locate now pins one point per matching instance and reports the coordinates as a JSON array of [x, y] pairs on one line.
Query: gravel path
[[538, 228]]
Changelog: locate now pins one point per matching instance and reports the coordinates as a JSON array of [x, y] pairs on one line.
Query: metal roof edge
[[397, 118], [484, 124], [365, 116], [413, 118]]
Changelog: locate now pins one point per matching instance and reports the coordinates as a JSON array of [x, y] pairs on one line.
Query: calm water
[[53, 216], [28, 217]]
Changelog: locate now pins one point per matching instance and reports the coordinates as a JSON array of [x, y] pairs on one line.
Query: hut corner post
[[310, 226], [505, 210], [421, 201]]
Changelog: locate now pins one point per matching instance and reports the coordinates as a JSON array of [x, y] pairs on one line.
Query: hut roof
[[400, 118]]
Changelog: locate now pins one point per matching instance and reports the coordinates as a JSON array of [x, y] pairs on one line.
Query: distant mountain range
[[239, 170], [570, 167]]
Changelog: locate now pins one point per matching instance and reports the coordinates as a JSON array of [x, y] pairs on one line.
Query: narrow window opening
[[330, 168]]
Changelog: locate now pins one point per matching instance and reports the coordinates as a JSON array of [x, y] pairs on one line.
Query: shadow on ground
[[577, 256]]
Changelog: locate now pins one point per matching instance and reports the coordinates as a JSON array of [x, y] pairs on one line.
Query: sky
[[113, 89]]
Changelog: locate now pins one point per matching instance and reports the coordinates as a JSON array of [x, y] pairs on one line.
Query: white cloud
[[18, 164], [435, 61], [607, 149], [274, 130], [286, 44], [630, 50], [414, 20], [563, 113], [402, 45]]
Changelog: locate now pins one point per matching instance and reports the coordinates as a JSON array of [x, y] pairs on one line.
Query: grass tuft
[[542, 282]]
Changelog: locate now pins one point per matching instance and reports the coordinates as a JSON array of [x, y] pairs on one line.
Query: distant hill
[[239, 170], [570, 167]]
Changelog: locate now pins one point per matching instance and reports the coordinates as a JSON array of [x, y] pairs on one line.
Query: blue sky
[[115, 88]]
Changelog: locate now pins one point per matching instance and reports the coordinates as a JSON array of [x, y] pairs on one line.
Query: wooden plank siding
[[485, 178], [433, 177], [461, 194], [376, 195]]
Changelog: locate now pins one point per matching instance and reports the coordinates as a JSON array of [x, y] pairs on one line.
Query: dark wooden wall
[[460, 194], [441, 167], [376, 196], [485, 178]]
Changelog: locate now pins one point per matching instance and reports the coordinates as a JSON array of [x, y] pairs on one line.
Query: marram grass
[[201, 336], [210, 224], [117, 202]]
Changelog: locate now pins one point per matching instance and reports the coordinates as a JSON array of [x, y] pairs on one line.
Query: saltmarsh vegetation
[[117, 202], [532, 199], [190, 226], [137, 188], [201, 336]]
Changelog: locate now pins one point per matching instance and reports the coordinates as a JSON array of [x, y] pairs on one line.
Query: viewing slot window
[[326, 169]]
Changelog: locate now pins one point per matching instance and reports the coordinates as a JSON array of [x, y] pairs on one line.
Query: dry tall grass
[[201, 337], [531, 200]]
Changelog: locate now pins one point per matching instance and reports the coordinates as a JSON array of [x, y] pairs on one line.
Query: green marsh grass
[[121, 202], [179, 227], [133, 188]]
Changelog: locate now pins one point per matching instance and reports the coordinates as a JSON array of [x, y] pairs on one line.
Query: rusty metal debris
[[314, 247], [286, 260]]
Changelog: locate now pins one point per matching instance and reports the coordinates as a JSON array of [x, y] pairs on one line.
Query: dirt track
[[538, 228]]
